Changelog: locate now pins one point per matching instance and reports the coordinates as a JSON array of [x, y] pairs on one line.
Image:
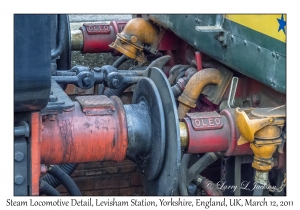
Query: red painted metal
[[35, 152], [213, 132], [198, 57], [169, 41], [98, 36], [76, 137]]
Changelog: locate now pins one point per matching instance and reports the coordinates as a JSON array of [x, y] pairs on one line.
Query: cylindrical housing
[[98, 36], [212, 132], [76, 137]]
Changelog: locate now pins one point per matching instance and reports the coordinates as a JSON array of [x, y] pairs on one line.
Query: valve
[[262, 127]]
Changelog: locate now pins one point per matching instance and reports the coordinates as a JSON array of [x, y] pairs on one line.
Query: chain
[[282, 186], [224, 171]]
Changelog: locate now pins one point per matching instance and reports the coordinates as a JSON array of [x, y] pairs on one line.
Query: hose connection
[[137, 35], [262, 127]]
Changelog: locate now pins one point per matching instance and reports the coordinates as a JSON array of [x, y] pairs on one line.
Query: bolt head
[[115, 82], [86, 81], [19, 179], [19, 156], [53, 98]]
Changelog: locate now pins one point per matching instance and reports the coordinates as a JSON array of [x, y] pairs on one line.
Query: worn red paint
[[97, 37], [75, 137], [213, 132], [35, 152]]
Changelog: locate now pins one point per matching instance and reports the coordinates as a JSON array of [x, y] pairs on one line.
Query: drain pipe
[[195, 86]]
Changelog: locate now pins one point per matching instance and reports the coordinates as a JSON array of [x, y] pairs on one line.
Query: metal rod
[[237, 175]]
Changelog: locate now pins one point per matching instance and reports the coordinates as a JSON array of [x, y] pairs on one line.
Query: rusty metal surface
[[137, 33], [195, 86], [35, 152], [76, 40], [96, 105], [75, 137]]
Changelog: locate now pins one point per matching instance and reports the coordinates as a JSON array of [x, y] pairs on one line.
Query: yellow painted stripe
[[266, 24]]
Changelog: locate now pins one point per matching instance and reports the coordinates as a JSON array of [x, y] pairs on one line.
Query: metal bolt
[[86, 81], [115, 82], [221, 38], [277, 55], [245, 42], [258, 48], [19, 156], [273, 54], [97, 69], [51, 117], [53, 98], [19, 179]]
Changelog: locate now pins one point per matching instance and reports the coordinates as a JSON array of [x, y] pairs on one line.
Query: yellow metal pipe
[[195, 86], [137, 33]]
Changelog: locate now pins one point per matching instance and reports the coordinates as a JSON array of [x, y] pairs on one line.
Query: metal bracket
[[216, 28], [96, 105], [233, 86]]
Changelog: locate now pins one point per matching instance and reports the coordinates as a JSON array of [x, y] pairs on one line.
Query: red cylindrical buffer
[[98, 36], [75, 137], [213, 132]]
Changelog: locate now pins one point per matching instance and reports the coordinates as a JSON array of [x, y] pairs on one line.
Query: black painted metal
[[64, 61], [167, 181], [59, 100], [62, 28], [32, 66], [146, 129], [21, 179]]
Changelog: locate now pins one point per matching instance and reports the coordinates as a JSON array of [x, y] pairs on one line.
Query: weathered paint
[[266, 24], [247, 51]]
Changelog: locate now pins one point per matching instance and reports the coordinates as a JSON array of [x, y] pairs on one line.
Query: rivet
[[19, 156], [133, 39], [19, 179]]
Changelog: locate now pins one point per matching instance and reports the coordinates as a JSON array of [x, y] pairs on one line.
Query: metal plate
[[167, 181]]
